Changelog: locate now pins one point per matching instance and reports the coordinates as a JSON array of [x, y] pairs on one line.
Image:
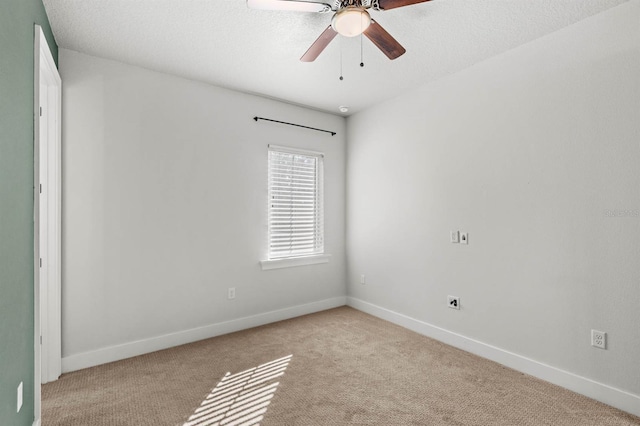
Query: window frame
[[297, 259]]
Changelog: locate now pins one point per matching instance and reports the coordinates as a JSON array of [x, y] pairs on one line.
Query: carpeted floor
[[345, 368]]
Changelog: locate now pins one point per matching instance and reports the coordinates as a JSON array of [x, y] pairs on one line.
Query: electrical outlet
[[599, 339], [232, 293], [19, 397], [362, 280], [455, 237], [453, 302], [464, 238]]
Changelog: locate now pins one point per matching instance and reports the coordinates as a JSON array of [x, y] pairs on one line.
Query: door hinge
[[40, 111], [40, 339], [41, 188], [41, 262]]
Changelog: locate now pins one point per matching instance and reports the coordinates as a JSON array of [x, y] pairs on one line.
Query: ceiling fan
[[351, 18]]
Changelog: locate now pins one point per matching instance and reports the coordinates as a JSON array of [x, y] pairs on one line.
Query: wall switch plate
[[455, 237], [464, 238], [19, 397], [232, 293], [453, 302], [362, 280], [599, 339]]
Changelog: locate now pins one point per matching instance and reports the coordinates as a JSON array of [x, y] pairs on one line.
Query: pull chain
[[361, 52], [341, 77]]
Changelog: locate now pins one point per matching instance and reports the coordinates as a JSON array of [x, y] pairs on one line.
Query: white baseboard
[[140, 347], [36, 423], [600, 392]]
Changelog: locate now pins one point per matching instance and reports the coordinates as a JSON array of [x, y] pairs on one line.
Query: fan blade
[[383, 40], [294, 5], [319, 45], [392, 4]]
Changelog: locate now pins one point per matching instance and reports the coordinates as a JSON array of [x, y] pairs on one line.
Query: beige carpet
[[346, 368]]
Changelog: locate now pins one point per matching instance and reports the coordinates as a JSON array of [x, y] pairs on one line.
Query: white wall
[[525, 151], [165, 203]]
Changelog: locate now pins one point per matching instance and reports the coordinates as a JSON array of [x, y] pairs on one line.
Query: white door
[[47, 219], [43, 231]]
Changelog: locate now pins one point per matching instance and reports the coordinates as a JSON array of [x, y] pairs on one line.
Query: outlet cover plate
[[232, 293], [455, 237], [599, 339], [19, 397]]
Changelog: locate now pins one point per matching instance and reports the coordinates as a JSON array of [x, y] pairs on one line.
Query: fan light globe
[[351, 21]]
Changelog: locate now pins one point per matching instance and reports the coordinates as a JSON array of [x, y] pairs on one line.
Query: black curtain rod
[[292, 124]]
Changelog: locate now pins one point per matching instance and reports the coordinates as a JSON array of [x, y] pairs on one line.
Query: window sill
[[294, 261]]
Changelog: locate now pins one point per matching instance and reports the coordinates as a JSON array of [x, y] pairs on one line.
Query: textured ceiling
[[224, 43]]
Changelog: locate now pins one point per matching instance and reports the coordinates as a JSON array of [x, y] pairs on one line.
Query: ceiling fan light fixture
[[351, 21]]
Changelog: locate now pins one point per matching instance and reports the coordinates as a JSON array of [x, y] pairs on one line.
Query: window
[[296, 222]]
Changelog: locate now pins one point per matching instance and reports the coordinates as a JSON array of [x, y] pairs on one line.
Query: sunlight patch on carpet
[[240, 399]]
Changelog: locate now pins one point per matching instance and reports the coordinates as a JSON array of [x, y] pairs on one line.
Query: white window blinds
[[296, 223]]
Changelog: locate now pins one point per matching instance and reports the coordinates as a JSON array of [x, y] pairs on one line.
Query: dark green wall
[[17, 19]]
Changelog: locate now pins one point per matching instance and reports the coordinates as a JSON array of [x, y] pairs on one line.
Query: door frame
[[47, 301]]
